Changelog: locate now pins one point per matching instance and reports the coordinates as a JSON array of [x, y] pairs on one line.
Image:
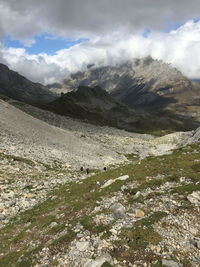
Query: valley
[[139, 203]]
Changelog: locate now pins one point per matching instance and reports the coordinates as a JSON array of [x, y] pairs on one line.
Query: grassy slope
[[75, 202]]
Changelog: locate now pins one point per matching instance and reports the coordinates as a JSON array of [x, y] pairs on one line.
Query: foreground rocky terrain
[[142, 211]]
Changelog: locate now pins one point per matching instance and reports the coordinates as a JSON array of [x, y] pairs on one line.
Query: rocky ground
[[44, 136], [144, 210], [143, 213]]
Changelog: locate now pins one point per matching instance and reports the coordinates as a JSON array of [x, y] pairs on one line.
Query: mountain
[[96, 105], [99, 107], [15, 86], [143, 82]]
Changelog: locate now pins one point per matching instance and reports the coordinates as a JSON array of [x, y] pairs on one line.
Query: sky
[[47, 40]]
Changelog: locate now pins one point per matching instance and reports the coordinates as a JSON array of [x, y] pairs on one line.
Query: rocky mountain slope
[[18, 87], [142, 211], [31, 132], [142, 82], [97, 106]]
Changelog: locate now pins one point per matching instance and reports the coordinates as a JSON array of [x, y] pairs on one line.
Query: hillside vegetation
[[148, 217]]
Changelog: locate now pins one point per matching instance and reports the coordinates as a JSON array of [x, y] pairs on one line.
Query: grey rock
[[12, 203], [83, 245], [99, 261], [54, 197], [195, 243], [53, 224], [137, 195], [124, 187], [194, 198], [40, 183], [196, 137], [192, 242], [170, 263], [128, 225], [118, 210], [198, 244], [109, 182], [2, 216], [196, 260]]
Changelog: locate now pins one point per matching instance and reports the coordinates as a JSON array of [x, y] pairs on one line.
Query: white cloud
[[115, 30], [85, 18], [180, 47]]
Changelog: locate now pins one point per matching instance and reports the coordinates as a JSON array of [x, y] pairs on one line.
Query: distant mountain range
[[142, 82], [97, 106], [142, 96]]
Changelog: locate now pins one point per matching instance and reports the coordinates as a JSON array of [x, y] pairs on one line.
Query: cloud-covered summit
[[114, 29]]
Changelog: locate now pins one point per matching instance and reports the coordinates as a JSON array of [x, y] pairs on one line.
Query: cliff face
[[15, 86]]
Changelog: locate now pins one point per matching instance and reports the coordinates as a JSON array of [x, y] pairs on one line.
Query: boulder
[[118, 210], [170, 263], [194, 198], [99, 261]]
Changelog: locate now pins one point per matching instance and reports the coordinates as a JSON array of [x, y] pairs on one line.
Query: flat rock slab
[[169, 263], [82, 246], [99, 261], [109, 182]]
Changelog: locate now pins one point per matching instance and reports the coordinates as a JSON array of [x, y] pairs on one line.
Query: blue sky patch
[[146, 33], [45, 43], [173, 27]]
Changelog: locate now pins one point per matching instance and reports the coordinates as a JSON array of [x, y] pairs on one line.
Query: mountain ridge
[[143, 82], [16, 86]]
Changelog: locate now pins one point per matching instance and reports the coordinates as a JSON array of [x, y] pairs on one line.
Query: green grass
[[142, 233], [16, 158], [65, 239], [76, 201], [106, 264], [58, 228], [150, 220], [186, 189]]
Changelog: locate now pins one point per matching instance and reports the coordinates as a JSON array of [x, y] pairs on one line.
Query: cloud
[[115, 29], [180, 47], [77, 18]]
